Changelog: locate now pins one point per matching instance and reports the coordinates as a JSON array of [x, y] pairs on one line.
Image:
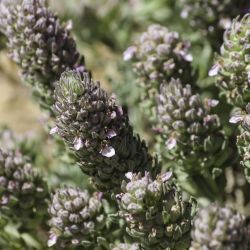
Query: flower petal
[[214, 70], [108, 151], [171, 143], [236, 119], [78, 144]]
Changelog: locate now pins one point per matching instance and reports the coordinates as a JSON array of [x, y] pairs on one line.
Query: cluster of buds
[[154, 212], [218, 228], [96, 128], [23, 193], [158, 56], [232, 66], [39, 44], [77, 218], [192, 134], [212, 17]]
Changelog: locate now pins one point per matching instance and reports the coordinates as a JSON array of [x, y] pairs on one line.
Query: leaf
[[30, 241]]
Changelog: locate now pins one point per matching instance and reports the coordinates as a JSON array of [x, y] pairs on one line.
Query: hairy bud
[[154, 212], [192, 134], [158, 56], [96, 128], [77, 218], [23, 192], [219, 228], [232, 67]]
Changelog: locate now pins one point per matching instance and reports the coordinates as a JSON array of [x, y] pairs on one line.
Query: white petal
[[129, 53], [212, 102], [184, 14], [111, 133], [236, 119], [113, 115], [214, 70], [52, 240], [78, 144], [108, 152], [188, 58], [75, 242], [166, 176], [171, 143], [129, 175], [53, 131]]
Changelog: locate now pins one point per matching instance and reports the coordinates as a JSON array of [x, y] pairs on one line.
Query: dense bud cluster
[[39, 44], [23, 192], [212, 16], [98, 131], [158, 56], [154, 212], [192, 134], [77, 218], [232, 67], [220, 228]]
